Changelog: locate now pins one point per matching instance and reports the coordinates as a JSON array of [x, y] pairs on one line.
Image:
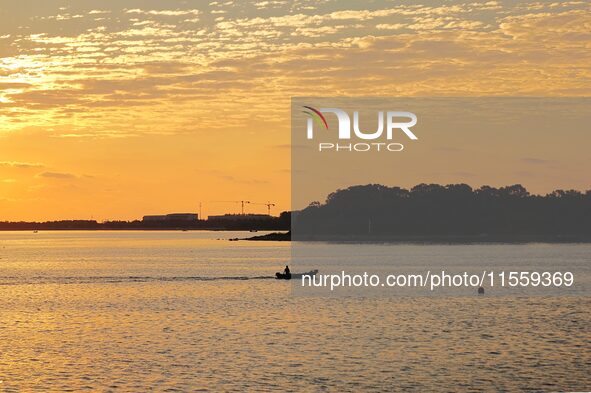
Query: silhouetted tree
[[451, 210]]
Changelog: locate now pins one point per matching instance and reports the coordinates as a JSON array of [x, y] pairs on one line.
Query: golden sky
[[116, 109]]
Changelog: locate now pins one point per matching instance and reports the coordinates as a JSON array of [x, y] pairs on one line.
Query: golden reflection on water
[[252, 335]]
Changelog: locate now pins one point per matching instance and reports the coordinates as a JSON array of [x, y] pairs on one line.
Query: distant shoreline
[[451, 239], [82, 225], [274, 236], [136, 229], [434, 239]]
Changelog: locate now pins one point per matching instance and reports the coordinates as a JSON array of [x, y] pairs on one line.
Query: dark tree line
[[453, 210], [274, 223]]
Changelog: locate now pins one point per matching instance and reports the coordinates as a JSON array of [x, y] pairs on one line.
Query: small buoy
[[481, 290]]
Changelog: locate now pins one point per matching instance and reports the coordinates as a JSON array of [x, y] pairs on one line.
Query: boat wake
[[120, 279]]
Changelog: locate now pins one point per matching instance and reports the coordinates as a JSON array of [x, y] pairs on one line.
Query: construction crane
[[268, 204], [242, 203]]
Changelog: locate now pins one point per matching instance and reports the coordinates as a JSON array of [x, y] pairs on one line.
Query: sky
[[116, 109]]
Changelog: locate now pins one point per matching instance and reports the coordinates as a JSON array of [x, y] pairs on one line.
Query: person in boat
[[286, 272]]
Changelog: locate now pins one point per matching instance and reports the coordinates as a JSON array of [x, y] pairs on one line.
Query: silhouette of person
[[287, 272]]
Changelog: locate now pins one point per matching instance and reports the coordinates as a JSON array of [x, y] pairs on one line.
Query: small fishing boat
[[283, 276]]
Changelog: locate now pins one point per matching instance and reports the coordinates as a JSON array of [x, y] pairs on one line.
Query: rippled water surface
[[183, 311]]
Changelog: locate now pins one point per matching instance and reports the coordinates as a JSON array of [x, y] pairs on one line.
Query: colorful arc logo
[[316, 116]]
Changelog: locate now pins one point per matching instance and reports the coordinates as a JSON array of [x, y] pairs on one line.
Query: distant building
[[185, 217], [240, 217]]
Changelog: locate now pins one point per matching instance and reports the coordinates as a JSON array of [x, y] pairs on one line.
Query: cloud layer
[[95, 72]]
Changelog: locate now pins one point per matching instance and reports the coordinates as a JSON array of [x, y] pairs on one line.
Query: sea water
[[192, 311]]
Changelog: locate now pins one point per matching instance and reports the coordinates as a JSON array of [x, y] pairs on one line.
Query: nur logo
[[391, 121]]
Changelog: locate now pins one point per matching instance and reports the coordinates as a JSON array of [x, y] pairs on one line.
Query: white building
[[240, 217], [185, 217]]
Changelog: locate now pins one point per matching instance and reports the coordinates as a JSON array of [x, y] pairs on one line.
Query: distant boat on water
[[283, 276]]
